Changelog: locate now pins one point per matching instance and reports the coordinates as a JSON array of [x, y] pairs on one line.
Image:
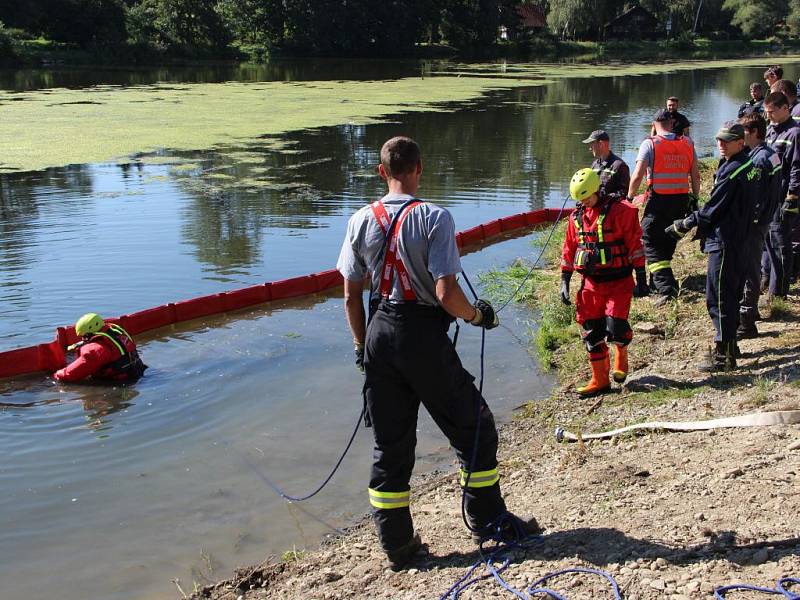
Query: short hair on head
[[786, 87], [755, 122], [400, 155], [673, 99], [775, 70], [776, 99], [757, 85]]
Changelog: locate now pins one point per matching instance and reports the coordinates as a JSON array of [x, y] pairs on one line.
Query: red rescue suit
[[604, 244], [110, 354]]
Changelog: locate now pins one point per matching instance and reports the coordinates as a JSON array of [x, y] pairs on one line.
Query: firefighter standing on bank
[[603, 244], [409, 248], [670, 162], [615, 177], [783, 136], [725, 222], [107, 352]]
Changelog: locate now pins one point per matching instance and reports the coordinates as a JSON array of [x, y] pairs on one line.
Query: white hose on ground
[[781, 417]]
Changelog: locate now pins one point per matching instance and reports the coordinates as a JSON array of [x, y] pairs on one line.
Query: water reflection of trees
[[22, 207], [525, 142]]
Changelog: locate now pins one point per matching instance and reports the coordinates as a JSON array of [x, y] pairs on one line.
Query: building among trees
[[635, 23]]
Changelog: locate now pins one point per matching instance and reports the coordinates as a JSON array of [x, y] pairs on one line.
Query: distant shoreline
[[45, 54]]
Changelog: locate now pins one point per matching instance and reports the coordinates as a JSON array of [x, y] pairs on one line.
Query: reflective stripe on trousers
[[380, 499], [479, 479], [657, 266]]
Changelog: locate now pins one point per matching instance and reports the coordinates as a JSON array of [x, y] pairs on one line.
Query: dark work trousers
[[795, 250], [659, 213], [410, 359], [748, 308], [723, 291], [777, 260]]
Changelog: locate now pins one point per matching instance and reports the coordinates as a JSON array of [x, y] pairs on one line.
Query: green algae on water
[[58, 127], [121, 122]]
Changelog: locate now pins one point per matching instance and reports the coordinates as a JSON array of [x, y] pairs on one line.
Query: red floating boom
[[51, 357]]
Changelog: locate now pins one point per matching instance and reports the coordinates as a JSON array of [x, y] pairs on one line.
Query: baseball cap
[[730, 131], [596, 136], [663, 115]]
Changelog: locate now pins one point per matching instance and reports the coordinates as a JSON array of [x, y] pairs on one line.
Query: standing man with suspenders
[[670, 163], [408, 248]]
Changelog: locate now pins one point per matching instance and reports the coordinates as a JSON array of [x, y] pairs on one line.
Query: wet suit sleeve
[[632, 232], [91, 359], [569, 249]]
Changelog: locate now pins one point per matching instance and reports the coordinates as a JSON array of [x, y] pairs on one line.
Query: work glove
[[789, 206], [694, 203], [642, 289], [485, 316], [359, 352], [678, 229], [565, 277]]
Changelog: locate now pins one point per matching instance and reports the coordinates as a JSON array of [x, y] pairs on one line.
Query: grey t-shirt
[[426, 245], [647, 155]]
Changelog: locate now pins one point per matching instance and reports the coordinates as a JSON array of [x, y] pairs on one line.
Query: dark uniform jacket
[[725, 220], [751, 106], [768, 163], [784, 138], [615, 176]]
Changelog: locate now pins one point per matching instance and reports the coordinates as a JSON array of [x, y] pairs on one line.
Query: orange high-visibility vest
[[672, 162]]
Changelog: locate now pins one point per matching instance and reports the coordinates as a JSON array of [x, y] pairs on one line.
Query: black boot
[[721, 358], [746, 331]]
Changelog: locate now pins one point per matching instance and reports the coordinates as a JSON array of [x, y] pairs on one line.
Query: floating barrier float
[[49, 357]]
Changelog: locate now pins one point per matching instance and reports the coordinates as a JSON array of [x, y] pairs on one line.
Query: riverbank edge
[[42, 53], [596, 499]]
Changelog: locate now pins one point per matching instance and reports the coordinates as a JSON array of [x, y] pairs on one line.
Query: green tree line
[[364, 27]]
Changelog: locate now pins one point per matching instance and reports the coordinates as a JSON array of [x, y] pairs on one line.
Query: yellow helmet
[[89, 323], [584, 183]]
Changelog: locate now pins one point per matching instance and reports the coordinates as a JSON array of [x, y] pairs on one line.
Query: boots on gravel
[[401, 557], [722, 357], [507, 528], [620, 371], [600, 381]]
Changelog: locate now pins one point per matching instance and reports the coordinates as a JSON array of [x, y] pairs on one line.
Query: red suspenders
[[392, 261]]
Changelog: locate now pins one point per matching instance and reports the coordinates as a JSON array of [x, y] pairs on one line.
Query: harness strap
[[392, 262]]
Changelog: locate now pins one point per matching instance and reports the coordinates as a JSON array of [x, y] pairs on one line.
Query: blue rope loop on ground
[[536, 589], [488, 559], [778, 590]]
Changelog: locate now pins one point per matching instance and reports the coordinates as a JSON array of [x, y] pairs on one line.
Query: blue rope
[[779, 590], [780, 587], [488, 559], [538, 258], [535, 589], [286, 496]]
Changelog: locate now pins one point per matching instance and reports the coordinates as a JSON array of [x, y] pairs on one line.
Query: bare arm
[[354, 309], [452, 298], [636, 178]]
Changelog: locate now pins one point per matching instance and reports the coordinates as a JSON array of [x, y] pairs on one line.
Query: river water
[[111, 493]]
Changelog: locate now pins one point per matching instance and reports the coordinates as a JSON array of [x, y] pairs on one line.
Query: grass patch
[[293, 555], [780, 309], [663, 396]]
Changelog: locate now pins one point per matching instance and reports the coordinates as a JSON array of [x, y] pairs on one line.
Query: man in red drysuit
[[603, 244], [107, 352]]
